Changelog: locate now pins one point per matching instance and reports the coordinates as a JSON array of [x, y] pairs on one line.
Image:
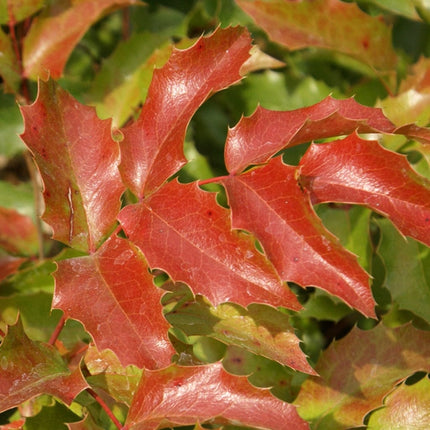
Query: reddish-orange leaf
[[357, 372], [54, 34], [353, 170], [260, 136], [30, 368], [18, 234], [152, 149], [78, 160], [183, 231], [331, 24], [185, 395], [111, 292], [268, 202]]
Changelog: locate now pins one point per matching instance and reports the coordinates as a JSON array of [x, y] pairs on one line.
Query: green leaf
[[407, 407], [358, 371], [407, 264], [9, 68], [18, 10], [11, 125]]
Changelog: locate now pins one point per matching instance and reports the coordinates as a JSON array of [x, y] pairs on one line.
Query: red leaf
[[268, 202], [78, 160], [18, 234], [257, 138], [152, 146], [31, 368], [111, 292], [184, 395], [330, 24], [183, 231], [54, 34], [353, 170], [358, 371]]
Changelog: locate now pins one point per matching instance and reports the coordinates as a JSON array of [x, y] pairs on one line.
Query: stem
[[57, 331], [126, 23], [105, 407], [212, 180], [34, 175]]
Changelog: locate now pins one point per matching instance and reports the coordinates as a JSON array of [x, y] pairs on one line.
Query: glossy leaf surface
[[259, 329], [353, 170], [183, 231], [152, 149], [31, 368], [54, 34], [330, 24], [78, 161], [405, 408], [112, 291], [268, 202], [168, 397], [260, 136], [358, 371]]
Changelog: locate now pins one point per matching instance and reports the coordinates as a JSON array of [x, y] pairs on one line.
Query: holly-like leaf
[[18, 234], [111, 292], [260, 136], [259, 329], [31, 368], [330, 24], [358, 371], [78, 161], [353, 170], [54, 34], [185, 395], [407, 267], [268, 202], [182, 230], [406, 408], [152, 149]]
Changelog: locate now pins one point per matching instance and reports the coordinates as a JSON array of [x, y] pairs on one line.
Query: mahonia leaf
[[407, 267], [182, 230], [268, 202], [185, 395], [260, 136], [358, 371], [112, 293], [353, 170], [78, 161], [30, 368], [152, 149], [55, 33], [259, 329], [18, 234], [407, 407], [330, 24]]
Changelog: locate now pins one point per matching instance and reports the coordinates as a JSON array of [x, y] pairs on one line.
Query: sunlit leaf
[[17, 10], [78, 160], [31, 368], [353, 170], [182, 230], [112, 293], [168, 396], [269, 203], [152, 149]]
